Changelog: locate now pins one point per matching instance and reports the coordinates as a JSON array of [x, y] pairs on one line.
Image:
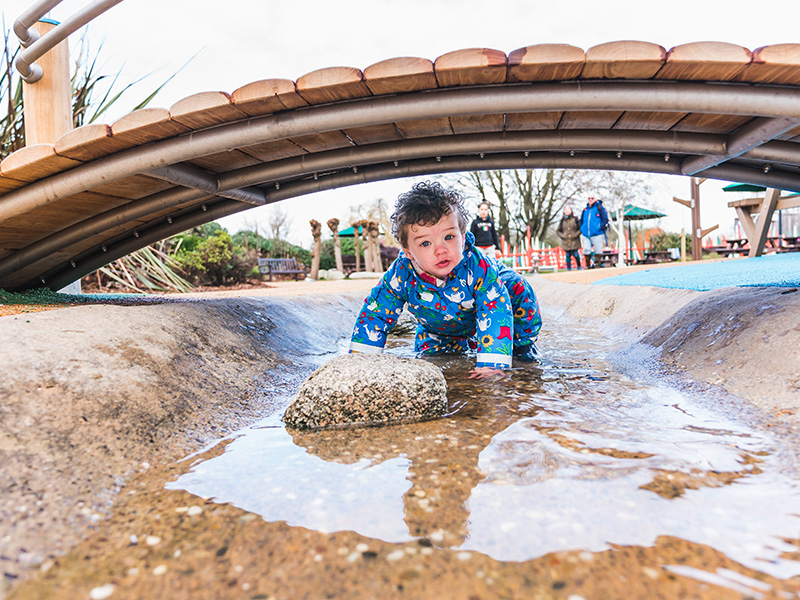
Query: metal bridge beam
[[91, 260], [512, 98]]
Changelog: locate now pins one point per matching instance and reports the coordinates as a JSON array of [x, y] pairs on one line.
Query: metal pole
[[140, 209], [25, 59], [755, 133], [451, 145], [697, 248], [24, 23], [650, 96], [196, 178]]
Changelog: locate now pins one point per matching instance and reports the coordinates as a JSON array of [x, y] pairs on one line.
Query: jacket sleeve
[[494, 318], [494, 237], [380, 311], [603, 217]]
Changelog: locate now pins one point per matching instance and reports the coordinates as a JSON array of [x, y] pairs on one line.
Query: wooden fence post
[[316, 231]]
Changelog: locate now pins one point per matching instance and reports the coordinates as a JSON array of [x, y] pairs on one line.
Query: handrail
[[36, 47], [23, 26]]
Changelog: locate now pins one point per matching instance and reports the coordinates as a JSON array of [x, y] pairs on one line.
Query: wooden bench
[[280, 266]]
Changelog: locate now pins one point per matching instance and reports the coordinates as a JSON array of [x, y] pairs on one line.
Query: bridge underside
[[102, 191]]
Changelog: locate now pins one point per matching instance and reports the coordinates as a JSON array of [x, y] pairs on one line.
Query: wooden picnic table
[[607, 258], [655, 256], [789, 244], [756, 229]]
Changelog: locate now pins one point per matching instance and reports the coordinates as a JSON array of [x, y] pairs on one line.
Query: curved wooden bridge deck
[[101, 191]]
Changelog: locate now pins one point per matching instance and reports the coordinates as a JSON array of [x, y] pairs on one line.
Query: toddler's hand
[[487, 373]]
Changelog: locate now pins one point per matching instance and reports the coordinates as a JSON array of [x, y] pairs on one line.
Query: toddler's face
[[483, 211], [438, 248]]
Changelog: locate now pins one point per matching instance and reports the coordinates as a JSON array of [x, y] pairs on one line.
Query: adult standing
[[593, 224], [483, 229], [569, 231]]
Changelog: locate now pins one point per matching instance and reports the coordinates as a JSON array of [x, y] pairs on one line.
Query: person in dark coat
[[483, 229], [569, 231]]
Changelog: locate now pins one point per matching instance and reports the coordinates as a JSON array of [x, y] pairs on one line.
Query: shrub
[[665, 241], [211, 259]]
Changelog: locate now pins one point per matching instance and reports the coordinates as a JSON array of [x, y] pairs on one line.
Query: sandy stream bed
[[94, 396]]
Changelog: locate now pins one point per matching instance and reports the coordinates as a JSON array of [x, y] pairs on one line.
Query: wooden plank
[[220, 162], [63, 213], [267, 96], [17, 236], [277, 150], [705, 61], [133, 188], [424, 127], [791, 135], [48, 102], [755, 203], [545, 62], [318, 142], [477, 123], [374, 134], [400, 75], [532, 121], [8, 184], [776, 64], [589, 119], [35, 162], [708, 123], [88, 143], [471, 66], [624, 60], [205, 109], [145, 126], [650, 121], [332, 84], [766, 210]]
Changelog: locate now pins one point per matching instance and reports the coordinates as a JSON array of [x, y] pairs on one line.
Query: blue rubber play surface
[[772, 270]]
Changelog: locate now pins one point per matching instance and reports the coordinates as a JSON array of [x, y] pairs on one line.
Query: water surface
[[566, 455]]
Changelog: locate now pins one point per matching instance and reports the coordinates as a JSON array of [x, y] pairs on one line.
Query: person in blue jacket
[[593, 225], [462, 299]]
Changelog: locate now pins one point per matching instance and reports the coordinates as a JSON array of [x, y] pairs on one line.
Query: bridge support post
[[48, 103]]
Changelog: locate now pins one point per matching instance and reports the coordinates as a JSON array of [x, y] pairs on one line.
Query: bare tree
[[523, 198], [278, 222], [378, 211], [617, 189]]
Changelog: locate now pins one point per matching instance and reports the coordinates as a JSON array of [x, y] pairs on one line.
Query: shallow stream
[[568, 479], [566, 455]]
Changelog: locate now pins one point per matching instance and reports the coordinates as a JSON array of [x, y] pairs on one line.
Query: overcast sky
[[231, 43]]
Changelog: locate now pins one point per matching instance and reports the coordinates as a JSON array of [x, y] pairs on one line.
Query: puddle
[[565, 456]]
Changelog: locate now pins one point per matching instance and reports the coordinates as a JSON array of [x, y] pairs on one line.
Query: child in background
[[462, 299], [484, 231]]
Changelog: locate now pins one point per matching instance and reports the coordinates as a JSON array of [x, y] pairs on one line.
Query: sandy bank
[[94, 394]]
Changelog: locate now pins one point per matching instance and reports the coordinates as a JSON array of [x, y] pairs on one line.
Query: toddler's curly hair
[[425, 204]]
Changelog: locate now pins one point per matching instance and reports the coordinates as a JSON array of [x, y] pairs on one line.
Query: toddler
[[462, 299]]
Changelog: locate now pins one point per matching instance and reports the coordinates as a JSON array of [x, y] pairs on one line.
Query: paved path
[[773, 270]]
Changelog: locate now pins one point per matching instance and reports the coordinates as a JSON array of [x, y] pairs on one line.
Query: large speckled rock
[[368, 389]]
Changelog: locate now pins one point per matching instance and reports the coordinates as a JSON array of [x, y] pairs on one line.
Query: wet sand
[[101, 400]]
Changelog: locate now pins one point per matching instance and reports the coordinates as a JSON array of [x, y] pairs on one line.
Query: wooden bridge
[[101, 191]]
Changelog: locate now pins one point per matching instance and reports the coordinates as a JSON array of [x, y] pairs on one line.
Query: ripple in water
[[564, 455]]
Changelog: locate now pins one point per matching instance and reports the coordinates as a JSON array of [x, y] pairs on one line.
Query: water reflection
[[567, 455]]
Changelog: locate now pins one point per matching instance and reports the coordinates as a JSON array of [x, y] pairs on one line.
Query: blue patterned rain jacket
[[482, 305]]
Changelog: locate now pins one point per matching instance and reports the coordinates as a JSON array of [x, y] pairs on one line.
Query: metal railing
[[36, 46]]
